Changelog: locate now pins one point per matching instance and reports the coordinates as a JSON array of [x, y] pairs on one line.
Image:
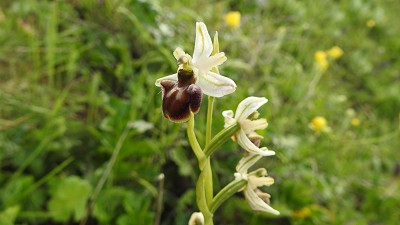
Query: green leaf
[[136, 206], [179, 157], [8, 216], [13, 191], [69, 198], [109, 204]]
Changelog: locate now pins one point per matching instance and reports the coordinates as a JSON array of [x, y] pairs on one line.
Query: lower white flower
[[257, 199], [246, 115]]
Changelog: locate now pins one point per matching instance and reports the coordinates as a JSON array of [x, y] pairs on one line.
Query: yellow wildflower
[[355, 121], [320, 58], [302, 213], [232, 19], [319, 124], [335, 52], [371, 23]]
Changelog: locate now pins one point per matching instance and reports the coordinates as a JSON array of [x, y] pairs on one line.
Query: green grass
[[75, 76]]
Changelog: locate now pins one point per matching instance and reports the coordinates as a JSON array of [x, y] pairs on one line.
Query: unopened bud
[[197, 218]]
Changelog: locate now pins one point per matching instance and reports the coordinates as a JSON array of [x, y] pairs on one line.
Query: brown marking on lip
[[178, 102]]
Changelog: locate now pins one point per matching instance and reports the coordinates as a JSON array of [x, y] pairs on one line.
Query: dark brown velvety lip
[[178, 102]]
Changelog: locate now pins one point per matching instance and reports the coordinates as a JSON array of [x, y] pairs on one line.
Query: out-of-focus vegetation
[[77, 85]]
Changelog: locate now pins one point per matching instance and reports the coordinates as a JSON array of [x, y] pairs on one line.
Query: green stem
[[221, 138], [207, 170], [233, 187], [208, 181], [202, 199], [204, 186], [209, 119], [226, 193], [194, 143]]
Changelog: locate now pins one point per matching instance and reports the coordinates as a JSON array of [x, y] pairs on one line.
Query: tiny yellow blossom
[[371, 23], [320, 58], [319, 124], [302, 213], [355, 121], [232, 19], [335, 52]]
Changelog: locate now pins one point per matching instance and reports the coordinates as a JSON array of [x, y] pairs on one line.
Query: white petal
[[256, 181], [253, 134], [173, 77], [251, 125], [203, 45], [240, 176], [180, 56], [228, 115], [207, 63], [246, 162], [215, 85], [249, 106], [256, 203], [179, 53], [247, 145]]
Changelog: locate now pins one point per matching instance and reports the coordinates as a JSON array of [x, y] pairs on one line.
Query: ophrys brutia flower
[[211, 83], [257, 199], [246, 115], [181, 97]]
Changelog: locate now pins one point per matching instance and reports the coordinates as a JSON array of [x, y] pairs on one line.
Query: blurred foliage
[[74, 75]]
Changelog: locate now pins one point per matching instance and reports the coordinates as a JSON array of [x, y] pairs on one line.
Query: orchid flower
[[246, 116], [257, 199], [211, 83]]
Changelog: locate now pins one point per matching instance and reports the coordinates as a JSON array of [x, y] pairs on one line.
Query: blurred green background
[[77, 84]]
